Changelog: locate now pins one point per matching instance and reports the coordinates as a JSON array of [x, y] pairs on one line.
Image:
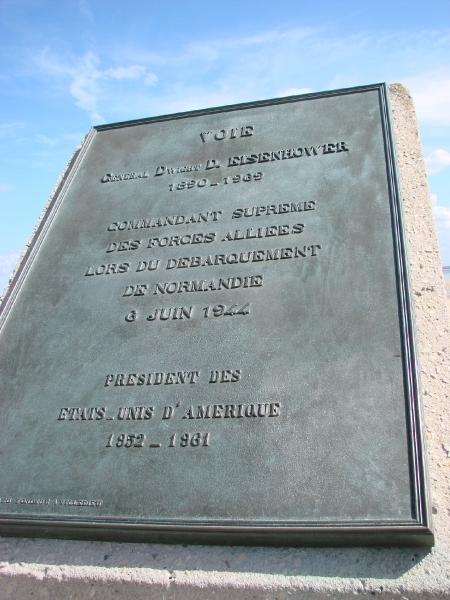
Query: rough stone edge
[[430, 576], [42, 216]]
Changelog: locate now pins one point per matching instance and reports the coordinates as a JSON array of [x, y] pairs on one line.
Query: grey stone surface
[[71, 569]]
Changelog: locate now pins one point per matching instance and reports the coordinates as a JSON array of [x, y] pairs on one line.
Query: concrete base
[[70, 569]]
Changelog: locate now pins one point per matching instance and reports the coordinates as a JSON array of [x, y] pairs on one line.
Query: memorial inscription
[[117, 357]]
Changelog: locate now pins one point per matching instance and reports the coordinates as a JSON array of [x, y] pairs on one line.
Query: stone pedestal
[[37, 568]]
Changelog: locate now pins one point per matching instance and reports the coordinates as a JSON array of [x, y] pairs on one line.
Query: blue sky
[[68, 64]]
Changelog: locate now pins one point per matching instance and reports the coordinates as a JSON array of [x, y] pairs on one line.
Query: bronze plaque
[[210, 338]]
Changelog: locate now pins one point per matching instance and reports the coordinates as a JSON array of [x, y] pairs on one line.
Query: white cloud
[[294, 91], [86, 10], [7, 128], [205, 73], [87, 79], [238, 69], [83, 75], [431, 93], [193, 99], [277, 63], [131, 72], [437, 160], [84, 87], [442, 217], [8, 262], [74, 137], [150, 79], [43, 139]]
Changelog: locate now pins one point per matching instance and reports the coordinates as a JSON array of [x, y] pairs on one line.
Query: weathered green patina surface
[[211, 336]]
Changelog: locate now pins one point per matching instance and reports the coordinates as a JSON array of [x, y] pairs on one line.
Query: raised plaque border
[[283, 533]]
